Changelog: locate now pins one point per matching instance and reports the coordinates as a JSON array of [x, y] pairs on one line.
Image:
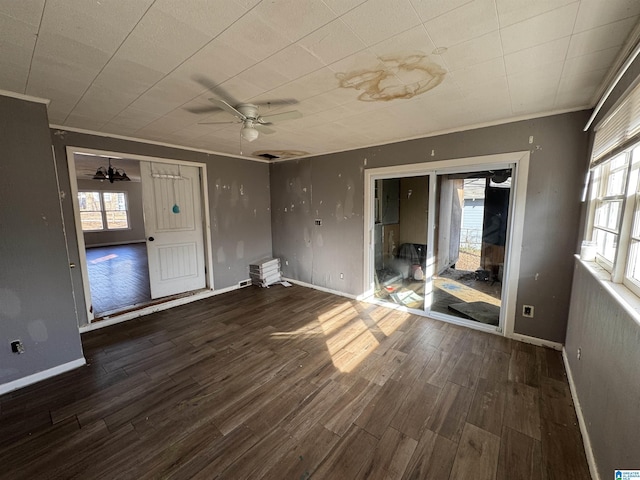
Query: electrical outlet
[[527, 311], [342, 276], [318, 222], [579, 353], [17, 347]]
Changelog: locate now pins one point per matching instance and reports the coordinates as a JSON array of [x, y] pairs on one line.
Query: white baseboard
[[540, 342], [115, 319], [37, 377], [591, 460], [322, 289]]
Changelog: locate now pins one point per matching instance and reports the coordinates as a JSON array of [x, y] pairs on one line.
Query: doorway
[[443, 238], [143, 240]]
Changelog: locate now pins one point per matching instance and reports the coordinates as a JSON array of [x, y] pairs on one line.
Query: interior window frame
[[103, 211]]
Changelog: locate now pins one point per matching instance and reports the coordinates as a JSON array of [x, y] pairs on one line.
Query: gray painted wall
[[607, 376], [239, 204], [333, 187], [36, 298], [136, 215], [330, 189]]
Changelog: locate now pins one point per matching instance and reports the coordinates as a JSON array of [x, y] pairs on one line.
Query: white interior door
[[173, 227]]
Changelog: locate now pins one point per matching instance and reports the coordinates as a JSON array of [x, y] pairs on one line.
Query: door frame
[[519, 161], [204, 198]]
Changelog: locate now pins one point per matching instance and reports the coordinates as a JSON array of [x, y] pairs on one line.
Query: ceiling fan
[[252, 122], [246, 113]]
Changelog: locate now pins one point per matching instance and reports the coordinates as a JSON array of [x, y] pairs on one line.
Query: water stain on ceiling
[[395, 77]]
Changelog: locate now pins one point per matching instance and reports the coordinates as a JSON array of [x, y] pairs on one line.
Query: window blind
[[619, 128]]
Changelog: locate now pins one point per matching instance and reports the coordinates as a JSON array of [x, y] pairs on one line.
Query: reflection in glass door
[[401, 207], [472, 210]]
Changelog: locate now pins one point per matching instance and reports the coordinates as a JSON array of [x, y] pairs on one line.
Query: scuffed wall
[[318, 255], [36, 297], [303, 192]]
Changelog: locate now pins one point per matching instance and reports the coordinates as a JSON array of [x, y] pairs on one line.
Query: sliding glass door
[[439, 241]]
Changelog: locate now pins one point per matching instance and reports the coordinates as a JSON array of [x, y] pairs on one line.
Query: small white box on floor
[[265, 272]]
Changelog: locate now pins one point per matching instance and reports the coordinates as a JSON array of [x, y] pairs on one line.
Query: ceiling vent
[[268, 156], [279, 154]]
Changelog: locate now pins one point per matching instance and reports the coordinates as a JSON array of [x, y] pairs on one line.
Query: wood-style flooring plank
[[523, 368], [295, 383], [520, 457], [467, 370], [477, 455], [349, 406], [495, 365], [450, 411], [377, 415], [439, 367], [432, 459], [352, 453], [487, 408], [522, 412], [391, 457], [415, 409], [305, 456]]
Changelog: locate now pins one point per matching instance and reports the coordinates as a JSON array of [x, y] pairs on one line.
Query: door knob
[[151, 239], [72, 265]]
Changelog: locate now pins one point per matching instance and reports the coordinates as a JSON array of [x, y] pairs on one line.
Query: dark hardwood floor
[[118, 277], [293, 383]]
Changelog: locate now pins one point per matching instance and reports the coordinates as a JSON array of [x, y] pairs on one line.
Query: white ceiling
[[86, 166], [361, 72]]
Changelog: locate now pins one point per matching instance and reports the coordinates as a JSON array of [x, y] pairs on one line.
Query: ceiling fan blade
[[217, 123], [214, 88], [277, 117], [228, 108], [276, 103], [203, 109], [263, 129]]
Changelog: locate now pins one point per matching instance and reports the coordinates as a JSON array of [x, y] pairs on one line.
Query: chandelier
[[112, 174]]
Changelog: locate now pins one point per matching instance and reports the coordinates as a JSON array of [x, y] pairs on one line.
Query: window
[[103, 211], [614, 216], [614, 204], [610, 182]]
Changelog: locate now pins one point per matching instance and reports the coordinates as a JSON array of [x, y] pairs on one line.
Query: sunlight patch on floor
[[104, 259], [462, 292]]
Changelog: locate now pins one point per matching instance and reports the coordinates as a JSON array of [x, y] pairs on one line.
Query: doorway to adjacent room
[[141, 235]]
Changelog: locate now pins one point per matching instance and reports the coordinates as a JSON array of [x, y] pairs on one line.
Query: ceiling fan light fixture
[[249, 133]]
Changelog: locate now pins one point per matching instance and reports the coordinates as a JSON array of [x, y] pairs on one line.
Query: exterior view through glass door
[[472, 216], [439, 243]]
